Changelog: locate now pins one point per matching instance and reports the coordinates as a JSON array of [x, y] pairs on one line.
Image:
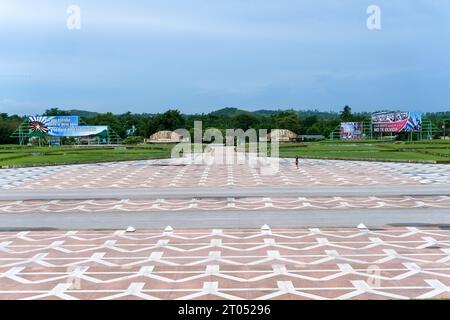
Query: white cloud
[[223, 18], [26, 13]]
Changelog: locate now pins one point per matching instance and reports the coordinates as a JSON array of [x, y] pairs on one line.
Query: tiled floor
[[390, 263], [220, 204], [150, 174]]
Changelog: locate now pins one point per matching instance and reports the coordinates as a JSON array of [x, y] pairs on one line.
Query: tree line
[[311, 122]]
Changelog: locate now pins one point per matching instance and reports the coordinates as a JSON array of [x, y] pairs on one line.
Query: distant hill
[[445, 114], [233, 112], [266, 113], [82, 113], [323, 115], [229, 112]]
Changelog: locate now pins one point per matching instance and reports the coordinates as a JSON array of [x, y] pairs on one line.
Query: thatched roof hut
[[282, 135], [166, 137]]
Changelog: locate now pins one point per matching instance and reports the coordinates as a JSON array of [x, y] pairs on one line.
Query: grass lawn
[[438, 151], [367, 155], [51, 156], [435, 151], [441, 151]]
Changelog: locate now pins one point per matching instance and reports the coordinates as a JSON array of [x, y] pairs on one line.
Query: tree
[[346, 114], [52, 112], [287, 120], [245, 121], [170, 120], [108, 119], [8, 124]]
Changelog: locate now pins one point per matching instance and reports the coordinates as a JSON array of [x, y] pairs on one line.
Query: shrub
[[133, 140]]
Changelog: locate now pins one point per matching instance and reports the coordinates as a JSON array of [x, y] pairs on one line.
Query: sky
[[203, 55]]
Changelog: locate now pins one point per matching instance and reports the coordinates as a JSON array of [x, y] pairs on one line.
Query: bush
[[133, 140]]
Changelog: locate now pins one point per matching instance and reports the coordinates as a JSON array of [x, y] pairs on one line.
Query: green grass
[[20, 157], [441, 151], [435, 151], [368, 155]]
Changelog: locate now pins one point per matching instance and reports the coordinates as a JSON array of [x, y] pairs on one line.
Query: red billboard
[[396, 122]]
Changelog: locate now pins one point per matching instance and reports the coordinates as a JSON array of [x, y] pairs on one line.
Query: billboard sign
[[62, 126], [77, 131], [351, 130], [396, 122], [62, 121]]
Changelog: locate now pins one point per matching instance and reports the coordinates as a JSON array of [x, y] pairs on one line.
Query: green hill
[[82, 113], [229, 112]]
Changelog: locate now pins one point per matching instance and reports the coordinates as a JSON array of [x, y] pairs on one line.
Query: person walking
[[296, 161]]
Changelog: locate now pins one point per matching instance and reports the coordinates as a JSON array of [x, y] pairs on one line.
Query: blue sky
[[201, 55]]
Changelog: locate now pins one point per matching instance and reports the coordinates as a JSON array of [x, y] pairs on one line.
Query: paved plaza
[[164, 174], [383, 263], [62, 231], [98, 193], [224, 204]]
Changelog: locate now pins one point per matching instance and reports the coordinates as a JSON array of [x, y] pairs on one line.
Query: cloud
[[196, 54], [9, 105], [26, 13], [290, 19]]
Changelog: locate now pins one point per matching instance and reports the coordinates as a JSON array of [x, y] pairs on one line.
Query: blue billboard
[[62, 121], [76, 131], [63, 126]]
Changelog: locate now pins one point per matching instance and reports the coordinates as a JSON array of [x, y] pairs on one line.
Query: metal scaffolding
[[25, 136], [429, 130]]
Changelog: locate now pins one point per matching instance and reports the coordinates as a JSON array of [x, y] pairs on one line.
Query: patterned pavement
[[388, 263], [159, 173], [385, 263], [223, 204]]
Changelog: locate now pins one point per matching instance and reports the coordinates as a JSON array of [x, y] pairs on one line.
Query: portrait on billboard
[[351, 130]]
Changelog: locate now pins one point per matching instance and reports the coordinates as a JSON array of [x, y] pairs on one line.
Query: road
[[224, 192], [227, 219]]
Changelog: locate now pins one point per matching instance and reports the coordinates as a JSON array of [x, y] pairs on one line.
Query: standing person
[[296, 161]]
